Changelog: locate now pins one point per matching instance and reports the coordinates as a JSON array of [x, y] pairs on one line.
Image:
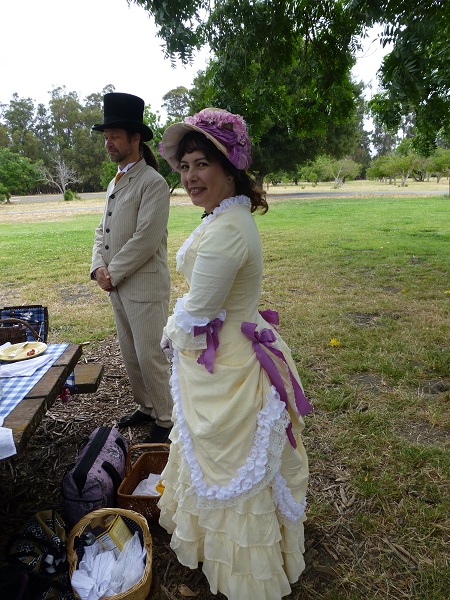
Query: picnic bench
[[88, 377], [24, 419]]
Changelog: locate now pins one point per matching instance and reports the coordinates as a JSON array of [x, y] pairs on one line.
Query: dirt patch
[[365, 319], [425, 434], [434, 386]]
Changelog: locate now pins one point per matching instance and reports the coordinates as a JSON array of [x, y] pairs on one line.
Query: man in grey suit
[[129, 260]]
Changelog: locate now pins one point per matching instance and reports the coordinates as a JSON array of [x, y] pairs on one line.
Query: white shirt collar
[[127, 168]]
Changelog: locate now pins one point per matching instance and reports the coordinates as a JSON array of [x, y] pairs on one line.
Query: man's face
[[120, 145]]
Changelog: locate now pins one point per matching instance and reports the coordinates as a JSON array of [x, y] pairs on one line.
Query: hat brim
[[146, 132], [173, 136]]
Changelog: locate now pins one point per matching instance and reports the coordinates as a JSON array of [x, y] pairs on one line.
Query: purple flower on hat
[[228, 129]]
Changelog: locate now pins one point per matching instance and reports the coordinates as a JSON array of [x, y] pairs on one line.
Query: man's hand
[[103, 279]]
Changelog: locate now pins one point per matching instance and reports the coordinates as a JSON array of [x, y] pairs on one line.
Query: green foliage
[[325, 168], [180, 24], [69, 195], [284, 66], [291, 116], [415, 75], [3, 193], [438, 163], [17, 174], [172, 177], [405, 162], [109, 170], [253, 40], [176, 103]]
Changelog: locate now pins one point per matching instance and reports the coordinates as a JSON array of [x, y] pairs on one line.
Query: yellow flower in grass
[[447, 292], [334, 343]]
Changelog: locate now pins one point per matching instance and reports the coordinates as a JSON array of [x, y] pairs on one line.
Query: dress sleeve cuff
[[180, 327]]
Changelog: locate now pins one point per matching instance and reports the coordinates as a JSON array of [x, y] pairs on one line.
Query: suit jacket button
[[106, 247], [109, 214], [107, 230], [112, 196]]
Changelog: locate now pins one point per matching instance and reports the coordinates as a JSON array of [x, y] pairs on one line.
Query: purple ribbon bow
[[271, 316], [211, 329], [266, 338]]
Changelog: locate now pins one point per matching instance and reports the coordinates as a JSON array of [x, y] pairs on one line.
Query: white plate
[[8, 354]]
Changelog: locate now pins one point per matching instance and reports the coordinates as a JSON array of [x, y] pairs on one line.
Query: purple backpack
[[94, 479]]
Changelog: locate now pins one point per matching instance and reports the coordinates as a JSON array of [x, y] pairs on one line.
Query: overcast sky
[[85, 45]]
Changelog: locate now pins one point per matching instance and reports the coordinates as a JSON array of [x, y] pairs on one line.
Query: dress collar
[[224, 205]]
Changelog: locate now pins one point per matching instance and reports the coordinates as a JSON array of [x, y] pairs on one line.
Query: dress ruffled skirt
[[242, 518], [248, 550]]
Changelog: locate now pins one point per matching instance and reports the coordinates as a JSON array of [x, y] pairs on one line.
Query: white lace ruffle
[[227, 203], [186, 321], [261, 469], [290, 510]]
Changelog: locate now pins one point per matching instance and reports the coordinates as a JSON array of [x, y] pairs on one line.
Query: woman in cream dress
[[236, 478]]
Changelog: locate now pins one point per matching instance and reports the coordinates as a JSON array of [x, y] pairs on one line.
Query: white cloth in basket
[[147, 487], [101, 574]]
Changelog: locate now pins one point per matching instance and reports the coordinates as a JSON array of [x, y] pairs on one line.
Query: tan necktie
[[118, 176]]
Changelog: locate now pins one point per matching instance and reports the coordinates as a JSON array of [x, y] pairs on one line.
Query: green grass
[[372, 273]]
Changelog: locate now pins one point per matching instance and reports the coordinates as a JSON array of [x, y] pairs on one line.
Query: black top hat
[[124, 111]]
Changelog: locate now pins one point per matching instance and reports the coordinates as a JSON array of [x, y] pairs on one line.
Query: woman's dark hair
[[244, 184]]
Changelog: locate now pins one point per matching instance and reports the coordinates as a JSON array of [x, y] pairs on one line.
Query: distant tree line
[[285, 66], [51, 149]]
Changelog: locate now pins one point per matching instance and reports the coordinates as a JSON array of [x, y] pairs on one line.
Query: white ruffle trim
[[187, 322], [261, 469], [290, 510], [227, 203]]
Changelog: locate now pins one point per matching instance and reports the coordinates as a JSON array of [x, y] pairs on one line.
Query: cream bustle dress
[[235, 487]]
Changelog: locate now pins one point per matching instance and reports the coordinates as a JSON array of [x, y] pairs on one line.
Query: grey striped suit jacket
[[131, 239]]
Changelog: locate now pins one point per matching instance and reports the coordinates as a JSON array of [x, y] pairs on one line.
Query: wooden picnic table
[[28, 414]]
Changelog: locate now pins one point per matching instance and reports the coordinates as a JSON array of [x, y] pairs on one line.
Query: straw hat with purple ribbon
[[228, 132]]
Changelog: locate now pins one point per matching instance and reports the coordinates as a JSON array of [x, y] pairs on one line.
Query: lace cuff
[[181, 327], [187, 322]]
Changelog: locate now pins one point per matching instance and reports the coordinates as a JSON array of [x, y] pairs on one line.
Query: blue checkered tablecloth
[[16, 388]]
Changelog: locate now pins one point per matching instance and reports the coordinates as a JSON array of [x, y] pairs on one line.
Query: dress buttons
[[106, 247]]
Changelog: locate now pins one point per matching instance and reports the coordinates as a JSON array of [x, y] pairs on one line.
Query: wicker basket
[[152, 461], [141, 590], [17, 332]]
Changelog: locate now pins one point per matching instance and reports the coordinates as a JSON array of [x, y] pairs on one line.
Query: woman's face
[[206, 182]]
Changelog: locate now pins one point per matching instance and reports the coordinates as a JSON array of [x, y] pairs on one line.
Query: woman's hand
[[166, 346]]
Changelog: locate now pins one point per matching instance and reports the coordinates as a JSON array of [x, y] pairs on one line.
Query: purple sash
[[266, 338]]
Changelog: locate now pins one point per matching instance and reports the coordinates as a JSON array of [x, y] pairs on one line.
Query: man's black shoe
[[158, 435], [134, 419]]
